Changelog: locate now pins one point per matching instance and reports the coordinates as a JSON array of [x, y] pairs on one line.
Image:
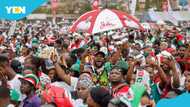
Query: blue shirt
[[32, 101]]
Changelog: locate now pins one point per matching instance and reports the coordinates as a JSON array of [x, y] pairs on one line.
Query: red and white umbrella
[[103, 20]]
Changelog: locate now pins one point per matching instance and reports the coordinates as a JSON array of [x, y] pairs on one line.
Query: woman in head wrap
[[84, 85]]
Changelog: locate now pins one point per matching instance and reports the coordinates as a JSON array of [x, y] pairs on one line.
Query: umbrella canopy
[[103, 20]]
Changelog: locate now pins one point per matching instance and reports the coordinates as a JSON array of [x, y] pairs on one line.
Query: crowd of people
[[42, 64]]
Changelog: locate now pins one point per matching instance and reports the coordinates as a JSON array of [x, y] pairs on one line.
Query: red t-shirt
[[186, 61]]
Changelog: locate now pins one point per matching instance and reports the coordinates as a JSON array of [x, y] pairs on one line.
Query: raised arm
[[60, 72], [130, 71], [162, 75], [175, 75]]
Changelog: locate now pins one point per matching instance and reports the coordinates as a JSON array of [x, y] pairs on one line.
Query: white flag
[[12, 28], [132, 6], [169, 6], [170, 16]]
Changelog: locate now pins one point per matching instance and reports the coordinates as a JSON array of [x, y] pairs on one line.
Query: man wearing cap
[[101, 72], [28, 87]]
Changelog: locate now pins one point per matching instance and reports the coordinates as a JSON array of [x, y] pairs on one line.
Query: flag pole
[[54, 18], [54, 4]]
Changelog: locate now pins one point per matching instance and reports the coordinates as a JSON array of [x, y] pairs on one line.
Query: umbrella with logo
[[99, 20]]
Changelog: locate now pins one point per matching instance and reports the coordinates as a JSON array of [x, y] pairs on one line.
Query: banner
[[12, 28], [166, 6], [170, 16], [132, 6], [54, 5], [95, 4], [18, 9]]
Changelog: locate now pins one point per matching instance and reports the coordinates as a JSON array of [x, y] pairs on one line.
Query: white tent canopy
[[182, 15], [172, 16], [37, 16]]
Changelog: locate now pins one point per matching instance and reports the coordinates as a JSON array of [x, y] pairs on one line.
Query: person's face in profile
[[82, 91], [25, 87]]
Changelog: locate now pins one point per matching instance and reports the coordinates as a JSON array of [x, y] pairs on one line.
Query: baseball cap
[[31, 78]]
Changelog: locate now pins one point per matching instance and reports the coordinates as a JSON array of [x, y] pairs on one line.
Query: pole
[[106, 3], [54, 4], [54, 19]]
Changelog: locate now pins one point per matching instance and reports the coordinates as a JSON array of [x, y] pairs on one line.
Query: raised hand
[[54, 57], [153, 63], [172, 63], [62, 60]]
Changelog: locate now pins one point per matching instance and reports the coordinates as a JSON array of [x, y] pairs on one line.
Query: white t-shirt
[[67, 87], [62, 84]]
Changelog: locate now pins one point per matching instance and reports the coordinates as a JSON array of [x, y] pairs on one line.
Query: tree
[[159, 4], [74, 6]]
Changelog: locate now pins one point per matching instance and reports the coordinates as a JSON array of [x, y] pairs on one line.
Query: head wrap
[[86, 82]]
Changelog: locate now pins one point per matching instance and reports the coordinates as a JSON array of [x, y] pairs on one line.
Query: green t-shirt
[[15, 95], [103, 79]]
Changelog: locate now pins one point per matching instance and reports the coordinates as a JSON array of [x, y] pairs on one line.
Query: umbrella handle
[[107, 43]]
